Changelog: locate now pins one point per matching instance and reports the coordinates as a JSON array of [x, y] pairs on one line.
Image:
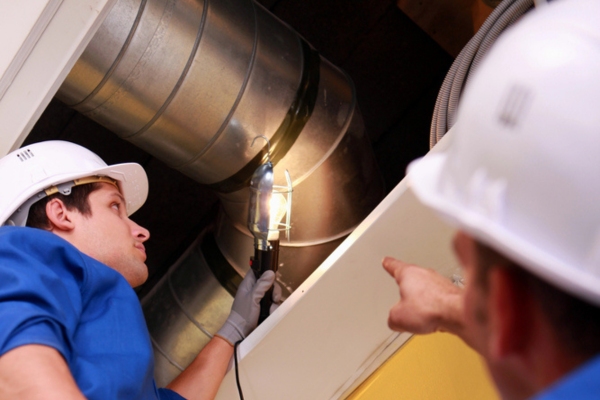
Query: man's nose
[[140, 232]]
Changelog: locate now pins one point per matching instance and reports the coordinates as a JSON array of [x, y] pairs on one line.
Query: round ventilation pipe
[[193, 82]]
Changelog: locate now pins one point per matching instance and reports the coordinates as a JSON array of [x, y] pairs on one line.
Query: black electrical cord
[[237, 374]]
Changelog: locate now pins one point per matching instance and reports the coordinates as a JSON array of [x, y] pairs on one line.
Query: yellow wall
[[433, 367]]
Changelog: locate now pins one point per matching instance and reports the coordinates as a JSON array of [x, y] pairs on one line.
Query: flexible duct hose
[[444, 115]]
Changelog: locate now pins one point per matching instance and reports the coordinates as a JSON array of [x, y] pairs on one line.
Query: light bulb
[[278, 209]]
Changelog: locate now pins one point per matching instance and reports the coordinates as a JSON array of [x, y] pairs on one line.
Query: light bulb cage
[[286, 192], [259, 212]]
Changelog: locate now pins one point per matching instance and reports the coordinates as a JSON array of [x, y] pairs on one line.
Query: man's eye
[[116, 206]]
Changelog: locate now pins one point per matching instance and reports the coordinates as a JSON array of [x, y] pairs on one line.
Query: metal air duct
[[193, 82]]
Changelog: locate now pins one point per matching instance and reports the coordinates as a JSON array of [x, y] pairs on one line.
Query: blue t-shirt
[[54, 295], [581, 384]]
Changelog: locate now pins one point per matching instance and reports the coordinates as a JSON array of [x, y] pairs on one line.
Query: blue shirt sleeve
[[40, 299], [54, 295], [168, 394]]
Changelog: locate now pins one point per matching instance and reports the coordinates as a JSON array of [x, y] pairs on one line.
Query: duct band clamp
[[296, 118]]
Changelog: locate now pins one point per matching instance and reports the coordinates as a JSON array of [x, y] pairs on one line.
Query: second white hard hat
[[521, 174], [26, 172]]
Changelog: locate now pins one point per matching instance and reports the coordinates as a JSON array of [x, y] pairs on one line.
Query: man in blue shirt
[[71, 326], [520, 182]]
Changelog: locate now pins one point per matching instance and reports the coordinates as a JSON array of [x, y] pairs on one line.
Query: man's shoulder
[[34, 241], [26, 249], [581, 384], [14, 235]]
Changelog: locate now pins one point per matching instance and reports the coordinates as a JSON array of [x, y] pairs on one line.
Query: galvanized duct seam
[[182, 77], [184, 310], [166, 355], [348, 119], [239, 96], [287, 133], [117, 60], [306, 243]]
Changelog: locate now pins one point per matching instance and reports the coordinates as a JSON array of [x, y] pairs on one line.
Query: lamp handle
[[262, 261]]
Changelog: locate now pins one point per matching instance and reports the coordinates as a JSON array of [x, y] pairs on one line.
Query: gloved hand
[[246, 306]]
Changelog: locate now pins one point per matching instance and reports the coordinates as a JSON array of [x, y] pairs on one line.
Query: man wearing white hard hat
[[71, 326], [520, 183]]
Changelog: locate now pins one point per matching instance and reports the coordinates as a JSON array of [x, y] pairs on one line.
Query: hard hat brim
[[133, 184], [424, 177]]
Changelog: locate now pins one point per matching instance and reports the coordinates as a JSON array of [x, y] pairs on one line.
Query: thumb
[[263, 284], [277, 293]]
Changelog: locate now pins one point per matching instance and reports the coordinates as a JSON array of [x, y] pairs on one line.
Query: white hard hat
[[522, 172], [27, 172]]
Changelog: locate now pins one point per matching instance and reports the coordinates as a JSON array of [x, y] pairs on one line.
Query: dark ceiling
[[396, 67]]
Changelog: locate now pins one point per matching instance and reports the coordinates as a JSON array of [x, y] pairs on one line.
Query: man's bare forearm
[[33, 372], [202, 378]]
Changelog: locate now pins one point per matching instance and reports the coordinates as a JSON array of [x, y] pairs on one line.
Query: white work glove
[[246, 306]]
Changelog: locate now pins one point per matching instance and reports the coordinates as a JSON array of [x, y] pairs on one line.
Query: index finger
[[391, 265]]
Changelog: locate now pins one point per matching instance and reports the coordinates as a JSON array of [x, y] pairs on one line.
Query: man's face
[[481, 318], [109, 236]]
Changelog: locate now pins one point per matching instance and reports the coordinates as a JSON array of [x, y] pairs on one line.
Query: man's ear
[[512, 320], [59, 216]]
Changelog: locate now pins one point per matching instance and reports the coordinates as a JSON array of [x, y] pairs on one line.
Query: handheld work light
[[269, 203]]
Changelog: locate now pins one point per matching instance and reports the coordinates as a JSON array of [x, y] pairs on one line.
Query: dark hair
[[575, 321], [77, 200]]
